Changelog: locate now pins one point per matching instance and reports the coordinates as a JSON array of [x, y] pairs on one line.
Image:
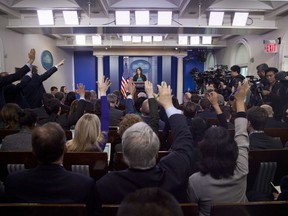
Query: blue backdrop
[[160, 68]]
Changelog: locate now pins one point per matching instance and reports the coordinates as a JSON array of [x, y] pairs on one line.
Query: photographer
[[271, 93], [236, 77], [261, 73]]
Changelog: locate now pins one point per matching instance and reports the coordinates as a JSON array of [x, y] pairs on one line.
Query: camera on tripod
[[256, 90]]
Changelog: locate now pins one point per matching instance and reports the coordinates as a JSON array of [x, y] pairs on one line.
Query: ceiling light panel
[[80, 39], [216, 18], [96, 39], [194, 40], [157, 38], [126, 38], [122, 17], [142, 18], [71, 17], [147, 39], [45, 17], [164, 17], [207, 40], [182, 40], [136, 39], [240, 19]]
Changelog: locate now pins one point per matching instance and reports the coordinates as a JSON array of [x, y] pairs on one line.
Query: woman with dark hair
[[224, 164], [63, 89], [10, 116], [139, 76], [70, 97], [21, 141]]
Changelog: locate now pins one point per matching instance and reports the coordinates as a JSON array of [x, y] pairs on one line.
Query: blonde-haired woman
[[90, 133]]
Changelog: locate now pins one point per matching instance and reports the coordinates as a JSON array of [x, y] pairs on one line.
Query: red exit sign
[[271, 48]]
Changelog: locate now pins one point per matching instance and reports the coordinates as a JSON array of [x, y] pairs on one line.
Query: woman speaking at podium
[[139, 76]]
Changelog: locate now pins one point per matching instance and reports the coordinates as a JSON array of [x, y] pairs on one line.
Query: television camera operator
[[271, 93]]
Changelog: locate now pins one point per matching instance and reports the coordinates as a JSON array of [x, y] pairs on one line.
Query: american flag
[[125, 77]]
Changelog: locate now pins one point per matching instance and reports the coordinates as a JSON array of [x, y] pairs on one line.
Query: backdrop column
[[100, 67], [180, 79]]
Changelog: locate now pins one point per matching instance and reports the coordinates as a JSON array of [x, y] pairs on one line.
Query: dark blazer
[[206, 114], [41, 114], [170, 174], [114, 116], [49, 184], [6, 80], [262, 141], [33, 88], [275, 101], [65, 120], [21, 141], [273, 123]]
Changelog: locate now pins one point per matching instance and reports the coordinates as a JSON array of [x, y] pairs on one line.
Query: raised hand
[[81, 89], [31, 56], [130, 86], [240, 96], [149, 89], [60, 63], [213, 98], [165, 95], [103, 85], [242, 91]]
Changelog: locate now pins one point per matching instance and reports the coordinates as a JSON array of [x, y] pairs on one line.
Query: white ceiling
[[97, 17]]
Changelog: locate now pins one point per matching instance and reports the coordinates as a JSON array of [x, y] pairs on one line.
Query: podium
[[139, 86]]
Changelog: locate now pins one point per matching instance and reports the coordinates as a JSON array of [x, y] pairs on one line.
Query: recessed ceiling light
[[216, 18], [126, 38], [240, 19], [206, 39], [142, 18], [182, 40], [45, 17], [80, 39], [122, 17], [194, 40], [164, 17], [147, 39], [96, 39], [136, 39], [157, 38], [71, 17]]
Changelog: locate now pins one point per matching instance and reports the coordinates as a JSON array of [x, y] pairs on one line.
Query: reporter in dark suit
[[257, 118], [49, 182], [32, 85], [114, 114], [8, 79]]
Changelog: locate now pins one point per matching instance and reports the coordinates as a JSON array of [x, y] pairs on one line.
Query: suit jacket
[[41, 114], [21, 141], [206, 114], [49, 183], [262, 141], [33, 88], [171, 173], [114, 116], [65, 120], [273, 123], [6, 80]]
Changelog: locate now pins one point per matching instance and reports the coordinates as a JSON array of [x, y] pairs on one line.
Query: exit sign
[[270, 48]]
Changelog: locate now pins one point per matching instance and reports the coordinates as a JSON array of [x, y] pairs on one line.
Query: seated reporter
[[91, 134], [140, 148], [224, 163], [49, 182]]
